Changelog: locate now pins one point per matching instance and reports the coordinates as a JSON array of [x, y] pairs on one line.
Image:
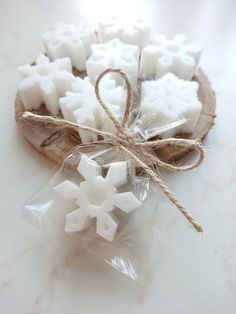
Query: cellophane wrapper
[[129, 251]]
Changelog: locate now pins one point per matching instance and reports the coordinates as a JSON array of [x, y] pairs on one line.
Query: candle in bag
[[97, 197]]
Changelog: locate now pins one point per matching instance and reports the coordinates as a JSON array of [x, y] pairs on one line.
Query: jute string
[[142, 153]]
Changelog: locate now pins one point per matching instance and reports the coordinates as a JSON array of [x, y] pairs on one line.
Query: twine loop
[[141, 152], [137, 149]]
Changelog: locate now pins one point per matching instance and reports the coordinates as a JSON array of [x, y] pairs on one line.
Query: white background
[[189, 273]]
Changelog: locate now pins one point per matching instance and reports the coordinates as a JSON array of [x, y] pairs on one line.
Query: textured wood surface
[[56, 144]]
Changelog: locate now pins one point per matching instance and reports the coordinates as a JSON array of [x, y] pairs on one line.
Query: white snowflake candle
[[45, 82], [134, 33], [97, 197], [167, 100], [174, 56], [73, 41], [114, 54], [81, 105]]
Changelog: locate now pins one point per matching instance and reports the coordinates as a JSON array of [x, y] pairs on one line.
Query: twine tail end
[[198, 227]]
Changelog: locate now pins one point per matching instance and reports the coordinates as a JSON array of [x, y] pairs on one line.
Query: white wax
[[168, 100], [164, 56], [106, 123], [114, 54], [136, 32], [73, 41], [81, 105], [86, 117], [77, 220], [45, 82], [97, 197]]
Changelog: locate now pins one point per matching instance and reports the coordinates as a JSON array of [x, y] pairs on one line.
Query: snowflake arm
[[127, 201], [77, 220]]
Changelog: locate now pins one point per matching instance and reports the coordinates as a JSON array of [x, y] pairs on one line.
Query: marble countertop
[[189, 273]]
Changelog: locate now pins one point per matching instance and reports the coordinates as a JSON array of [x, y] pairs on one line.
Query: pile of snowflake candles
[[164, 68]]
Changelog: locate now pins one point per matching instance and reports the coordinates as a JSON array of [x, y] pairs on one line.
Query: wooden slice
[[56, 143]]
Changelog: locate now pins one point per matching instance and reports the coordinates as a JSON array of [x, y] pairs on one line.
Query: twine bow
[[142, 153]]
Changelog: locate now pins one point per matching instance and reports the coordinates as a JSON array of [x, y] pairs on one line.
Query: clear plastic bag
[[129, 249], [113, 218]]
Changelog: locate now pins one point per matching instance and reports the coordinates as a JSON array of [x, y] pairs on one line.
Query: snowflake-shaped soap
[[168, 100], [114, 54], [73, 41], [97, 197], [81, 105], [45, 82], [134, 33], [173, 55]]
